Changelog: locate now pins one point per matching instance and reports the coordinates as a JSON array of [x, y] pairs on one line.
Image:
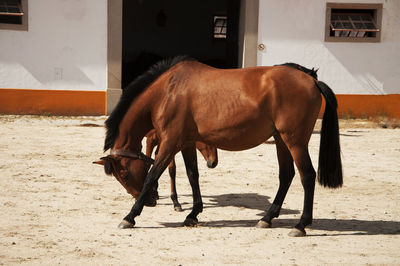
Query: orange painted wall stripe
[[365, 106], [20, 101], [369, 105], [52, 102]]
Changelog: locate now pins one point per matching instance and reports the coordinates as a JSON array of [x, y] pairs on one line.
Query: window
[[220, 25], [14, 14], [353, 22]]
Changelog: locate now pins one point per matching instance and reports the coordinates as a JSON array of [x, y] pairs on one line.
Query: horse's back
[[255, 83], [227, 106], [236, 109], [270, 91]]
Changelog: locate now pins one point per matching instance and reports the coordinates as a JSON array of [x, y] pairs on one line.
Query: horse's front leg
[[190, 158], [162, 160]]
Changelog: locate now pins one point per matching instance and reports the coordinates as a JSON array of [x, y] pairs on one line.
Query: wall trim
[[52, 102], [65, 102], [364, 106]]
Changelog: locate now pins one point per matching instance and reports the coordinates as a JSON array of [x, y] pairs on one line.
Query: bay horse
[[231, 109], [209, 153]]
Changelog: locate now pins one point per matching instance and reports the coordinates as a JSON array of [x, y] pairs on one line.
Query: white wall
[[293, 31], [65, 47]]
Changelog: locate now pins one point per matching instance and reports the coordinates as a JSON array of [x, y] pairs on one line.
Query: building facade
[[74, 57]]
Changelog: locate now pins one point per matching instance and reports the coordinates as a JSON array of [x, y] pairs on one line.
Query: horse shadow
[[251, 201], [318, 132], [254, 201], [341, 227]]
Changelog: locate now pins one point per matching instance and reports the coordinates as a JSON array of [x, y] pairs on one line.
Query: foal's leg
[[174, 194], [190, 158], [151, 143], [286, 174]]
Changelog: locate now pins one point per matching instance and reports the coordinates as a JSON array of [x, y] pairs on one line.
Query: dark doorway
[[157, 29]]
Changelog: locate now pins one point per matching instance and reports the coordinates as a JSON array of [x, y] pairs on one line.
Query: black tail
[[330, 164]]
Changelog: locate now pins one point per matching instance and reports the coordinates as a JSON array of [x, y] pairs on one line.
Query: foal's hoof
[[263, 224], [178, 209], [190, 222], [297, 232], [125, 224]]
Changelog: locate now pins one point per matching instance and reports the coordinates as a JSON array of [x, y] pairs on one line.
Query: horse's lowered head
[[130, 169]]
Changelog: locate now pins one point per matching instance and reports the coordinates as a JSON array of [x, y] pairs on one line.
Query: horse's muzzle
[[211, 164]]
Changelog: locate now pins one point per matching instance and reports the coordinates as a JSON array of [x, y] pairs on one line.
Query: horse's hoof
[[297, 232], [178, 209], [190, 222], [263, 224], [125, 224]]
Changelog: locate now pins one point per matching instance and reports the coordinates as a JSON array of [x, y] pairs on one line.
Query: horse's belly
[[242, 137]]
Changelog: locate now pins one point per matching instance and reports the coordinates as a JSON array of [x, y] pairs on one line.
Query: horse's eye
[[108, 168]]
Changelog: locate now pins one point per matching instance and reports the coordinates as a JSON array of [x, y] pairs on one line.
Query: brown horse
[[231, 109], [209, 153]]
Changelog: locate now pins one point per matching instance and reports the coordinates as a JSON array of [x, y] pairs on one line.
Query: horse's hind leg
[[286, 174], [307, 175], [190, 158], [174, 194]]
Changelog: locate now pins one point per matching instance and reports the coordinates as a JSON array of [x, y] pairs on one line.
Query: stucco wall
[[293, 31], [65, 47]]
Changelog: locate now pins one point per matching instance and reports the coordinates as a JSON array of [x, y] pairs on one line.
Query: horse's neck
[[133, 128]]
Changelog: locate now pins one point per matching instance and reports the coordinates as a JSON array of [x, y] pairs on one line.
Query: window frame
[[377, 16], [24, 20], [220, 35]]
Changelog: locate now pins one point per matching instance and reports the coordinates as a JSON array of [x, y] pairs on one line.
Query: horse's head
[[209, 153], [130, 170]]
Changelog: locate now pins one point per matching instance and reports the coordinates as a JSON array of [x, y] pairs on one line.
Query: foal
[[209, 153]]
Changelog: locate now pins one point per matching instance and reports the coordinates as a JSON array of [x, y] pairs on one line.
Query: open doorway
[[156, 29]]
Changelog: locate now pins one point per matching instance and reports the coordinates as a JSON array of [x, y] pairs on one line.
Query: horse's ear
[[315, 70], [106, 161], [101, 161]]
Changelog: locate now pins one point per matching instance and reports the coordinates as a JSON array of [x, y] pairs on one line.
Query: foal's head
[[131, 173], [209, 153]]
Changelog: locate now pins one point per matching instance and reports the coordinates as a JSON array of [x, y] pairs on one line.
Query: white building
[[72, 57]]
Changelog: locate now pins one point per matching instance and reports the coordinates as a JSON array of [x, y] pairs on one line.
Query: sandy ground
[[56, 207]]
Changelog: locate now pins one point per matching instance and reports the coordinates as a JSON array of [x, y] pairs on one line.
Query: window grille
[[10, 8], [220, 26], [353, 25], [353, 22]]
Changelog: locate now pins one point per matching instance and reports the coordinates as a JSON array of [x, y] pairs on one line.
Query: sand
[[56, 207]]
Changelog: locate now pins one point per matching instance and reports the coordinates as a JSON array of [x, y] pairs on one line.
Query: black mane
[[312, 72], [133, 90]]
